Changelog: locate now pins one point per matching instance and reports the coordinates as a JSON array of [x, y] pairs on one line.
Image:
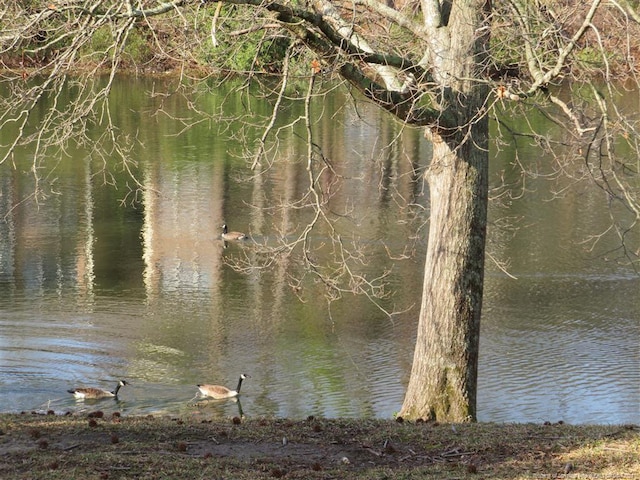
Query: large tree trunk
[[443, 380], [444, 375]]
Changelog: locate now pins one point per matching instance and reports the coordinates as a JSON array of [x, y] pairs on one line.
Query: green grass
[[52, 447]]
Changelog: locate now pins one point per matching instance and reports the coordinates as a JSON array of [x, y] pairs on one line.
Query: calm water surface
[[100, 283]]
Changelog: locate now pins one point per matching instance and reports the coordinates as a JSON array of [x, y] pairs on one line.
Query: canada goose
[[92, 392], [227, 235], [218, 391]]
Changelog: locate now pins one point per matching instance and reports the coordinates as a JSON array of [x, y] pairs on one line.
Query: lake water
[[102, 279]]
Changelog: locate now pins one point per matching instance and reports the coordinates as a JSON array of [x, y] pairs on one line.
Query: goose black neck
[[115, 392], [239, 385]]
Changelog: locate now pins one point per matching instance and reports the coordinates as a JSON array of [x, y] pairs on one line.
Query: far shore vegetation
[[152, 50]]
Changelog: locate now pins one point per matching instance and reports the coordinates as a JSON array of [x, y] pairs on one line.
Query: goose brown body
[[219, 391], [231, 236], [95, 393]]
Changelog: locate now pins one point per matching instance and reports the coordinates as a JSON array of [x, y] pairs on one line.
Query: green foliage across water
[[224, 37], [202, 37]]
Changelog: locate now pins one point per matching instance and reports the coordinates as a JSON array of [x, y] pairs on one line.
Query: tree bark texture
[[443, 381], [444, 374]]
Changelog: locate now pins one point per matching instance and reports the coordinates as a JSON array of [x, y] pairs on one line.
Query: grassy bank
[[118, 447]]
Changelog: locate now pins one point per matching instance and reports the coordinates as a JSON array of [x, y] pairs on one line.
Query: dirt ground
[[116, 447]]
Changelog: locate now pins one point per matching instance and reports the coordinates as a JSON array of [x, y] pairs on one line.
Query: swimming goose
[[92, 392], [219, 392], [231, 236]]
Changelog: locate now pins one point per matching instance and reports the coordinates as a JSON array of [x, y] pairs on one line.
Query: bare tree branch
[[627, 9]]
